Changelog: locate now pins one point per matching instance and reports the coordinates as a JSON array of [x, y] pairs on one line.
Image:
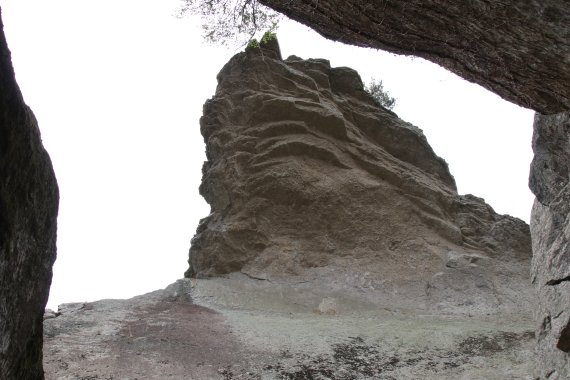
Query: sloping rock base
[[241, 328]]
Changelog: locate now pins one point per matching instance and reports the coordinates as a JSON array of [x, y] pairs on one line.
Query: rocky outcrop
[[518, 49], [550, 182], [309, 178], [28, 211]]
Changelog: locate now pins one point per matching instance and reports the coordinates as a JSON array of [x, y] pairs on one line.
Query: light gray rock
[[550, 227], [49, 314], [242, 328]]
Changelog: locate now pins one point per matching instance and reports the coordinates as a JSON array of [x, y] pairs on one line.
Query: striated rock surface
[[309, 178], [550, 182], [519, 49], [28, 212], [337, 248]]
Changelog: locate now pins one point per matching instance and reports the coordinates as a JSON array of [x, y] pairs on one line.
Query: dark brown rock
[[550, 226], [308, 177], [28, 212], [518, 49]]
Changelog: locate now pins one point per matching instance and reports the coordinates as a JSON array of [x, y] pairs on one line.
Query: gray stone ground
[[242, 328]]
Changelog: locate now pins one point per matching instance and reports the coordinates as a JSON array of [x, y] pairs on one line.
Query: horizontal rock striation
[[308, 177], [28, 212], [518, 49]]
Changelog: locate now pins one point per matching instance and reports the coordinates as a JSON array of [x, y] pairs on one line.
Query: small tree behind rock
[[231, 22], [381, 96]]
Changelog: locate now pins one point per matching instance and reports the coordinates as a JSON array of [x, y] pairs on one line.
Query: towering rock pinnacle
[[308, 177], [28, 212]]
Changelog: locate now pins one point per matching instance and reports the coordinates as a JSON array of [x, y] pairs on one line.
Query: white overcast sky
[[118, 88]]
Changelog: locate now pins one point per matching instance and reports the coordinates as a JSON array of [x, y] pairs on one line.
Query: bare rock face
[[519, 49], [160, 335], [309, 178], [549, 180], [241, 328], [28, 212]]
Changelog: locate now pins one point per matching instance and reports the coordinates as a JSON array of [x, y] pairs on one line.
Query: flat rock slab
[[242, 328]]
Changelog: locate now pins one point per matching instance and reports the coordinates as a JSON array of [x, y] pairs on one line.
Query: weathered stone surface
[[550, 223], [28, 211], [240, 328], [308, 177], [160, 335], [517, 49]]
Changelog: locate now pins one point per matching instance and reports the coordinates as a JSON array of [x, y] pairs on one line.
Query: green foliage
[[270, 35], [253, 44], [381, 96], [231, 22]]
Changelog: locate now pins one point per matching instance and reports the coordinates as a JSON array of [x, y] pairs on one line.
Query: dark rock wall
[[550, 227], [519, 49], [306, 173], [28, 212]]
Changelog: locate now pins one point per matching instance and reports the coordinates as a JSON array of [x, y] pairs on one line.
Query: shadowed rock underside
[[518, 49]]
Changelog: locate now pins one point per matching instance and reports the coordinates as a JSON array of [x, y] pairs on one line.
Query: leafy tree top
[[381, 96], [231, 22]]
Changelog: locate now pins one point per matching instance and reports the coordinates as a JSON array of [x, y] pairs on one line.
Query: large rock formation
[[28, 211], [550, 182], [308, 177], [517, 49]]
